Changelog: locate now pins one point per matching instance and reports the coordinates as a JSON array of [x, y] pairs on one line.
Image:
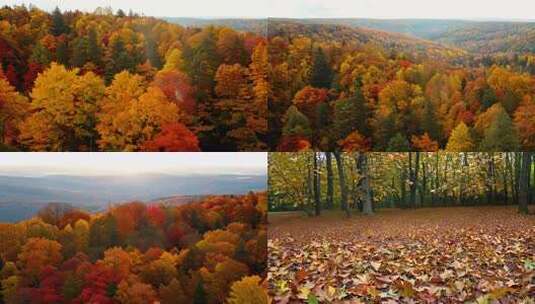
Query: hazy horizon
[[131, 164], [476, 10]]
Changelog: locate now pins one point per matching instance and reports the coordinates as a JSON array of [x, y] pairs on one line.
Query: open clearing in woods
[[431, 255]]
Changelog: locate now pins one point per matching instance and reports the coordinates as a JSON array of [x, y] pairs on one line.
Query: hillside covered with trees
[[112, 81], [338, 87], [205, 252]]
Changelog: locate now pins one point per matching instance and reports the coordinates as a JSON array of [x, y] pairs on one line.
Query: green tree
[[322, 74], [58, 26], [296, 123], [398, 143], [501, 136]]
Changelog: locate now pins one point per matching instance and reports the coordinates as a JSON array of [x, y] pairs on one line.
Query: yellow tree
[[248, 290], [460, 140], [66, 103], [13, 108], [130, 116], [39, 253]]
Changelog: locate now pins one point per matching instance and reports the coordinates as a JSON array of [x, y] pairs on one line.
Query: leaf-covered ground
[[433, 255]]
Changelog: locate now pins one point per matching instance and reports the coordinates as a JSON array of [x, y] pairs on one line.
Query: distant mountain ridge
[[21, 197]]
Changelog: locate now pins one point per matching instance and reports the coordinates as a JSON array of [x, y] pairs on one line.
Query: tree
[[231, 81], [296, 124], [524, 182], [58, 26], [132, 291], [199, 297], [248, 290], [173, 293], [174, 137], [37, 254], [330, 184], [342, 181], [13, 108], [525, 123], [63, 110], [363, 160], [321, 74], [424, 143], [501, 135], [398, 143], [460, 139]]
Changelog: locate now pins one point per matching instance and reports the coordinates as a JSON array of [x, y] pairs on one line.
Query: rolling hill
[[23, 196]]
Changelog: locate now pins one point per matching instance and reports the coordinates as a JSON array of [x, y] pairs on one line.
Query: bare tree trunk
[[342, 180], [330, 188], [317, 200], [524, 182], [367, 206], [413, 178]]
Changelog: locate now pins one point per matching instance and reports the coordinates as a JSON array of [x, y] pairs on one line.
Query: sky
[[441, 9], [36, 164]]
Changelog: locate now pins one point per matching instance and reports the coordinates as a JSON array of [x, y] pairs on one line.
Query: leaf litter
[[435, 255]]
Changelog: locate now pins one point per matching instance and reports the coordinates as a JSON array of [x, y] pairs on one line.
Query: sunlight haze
[[35, 164], [452, 9]]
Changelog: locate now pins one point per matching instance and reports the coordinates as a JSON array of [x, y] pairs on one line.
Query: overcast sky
[[31, 164], [444, 9]]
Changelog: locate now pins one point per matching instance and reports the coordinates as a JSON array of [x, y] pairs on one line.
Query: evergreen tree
[[58, 26], [501, 136], [296, 123], [119, 60], [41, 55], [94, 51], [200, 294], [120, 13], [430, 122], [152, 53], [201, 63], [351, 115], [398, 143], [79, 52], [322, 74], [62, 52], [488, 97]]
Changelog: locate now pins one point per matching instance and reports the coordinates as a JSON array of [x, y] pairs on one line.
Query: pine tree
[[430, 122], [322, 74], [200, 294], [398, 143], [41, 55], [296, 123], [58, 24], [94, 51], [350, 115], [120, 13], [62, 52], [152, 53], [119, 60], [460, 139], [79, 52], [501, 136]]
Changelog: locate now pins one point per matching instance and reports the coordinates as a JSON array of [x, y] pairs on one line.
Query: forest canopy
[[336, 87], [105, 81], [136, 253]]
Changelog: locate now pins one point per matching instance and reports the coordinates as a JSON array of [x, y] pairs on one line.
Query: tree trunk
[[317, 200], [330, 188], [413, 177], [367, 206], [342, 180], [524, 182]]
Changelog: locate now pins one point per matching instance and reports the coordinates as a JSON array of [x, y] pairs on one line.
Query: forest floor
[[428, 255]]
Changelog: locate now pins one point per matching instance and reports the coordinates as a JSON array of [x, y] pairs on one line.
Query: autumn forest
[[416, 227], [110, 81], [339, 86], [136, 253]]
